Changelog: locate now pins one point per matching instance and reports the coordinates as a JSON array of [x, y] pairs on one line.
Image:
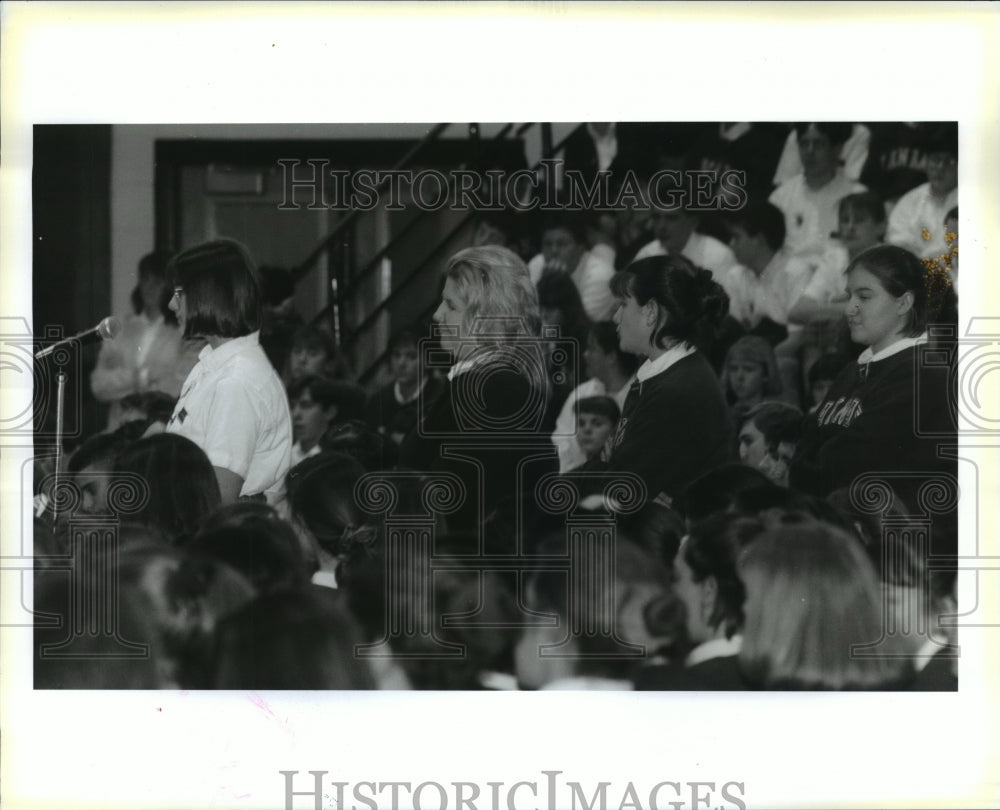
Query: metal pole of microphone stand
[[60, 398]]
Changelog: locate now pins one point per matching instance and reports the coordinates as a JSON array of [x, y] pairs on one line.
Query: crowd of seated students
[[751, 369]]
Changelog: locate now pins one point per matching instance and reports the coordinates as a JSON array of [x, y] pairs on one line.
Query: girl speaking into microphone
[[232, 404]]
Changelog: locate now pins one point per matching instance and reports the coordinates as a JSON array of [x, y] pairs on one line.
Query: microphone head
[[109, 328]]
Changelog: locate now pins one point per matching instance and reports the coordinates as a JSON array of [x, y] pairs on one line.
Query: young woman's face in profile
[[451, 313], [634, 328], [875, 317]]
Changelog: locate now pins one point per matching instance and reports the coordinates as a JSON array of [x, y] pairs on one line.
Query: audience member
[[182, 489], [491, 413], [917, 222], [392, 410], [676, 234], [313, 352], [750, 376], [322, 502], [610, 372], [812, 603], [596, 420], [149, 353], [233, 405], [868, 422], [291, 641], [564, 250], [675, 424], [707, 583], [316, 404], [768, 437], [809, 200], [279, 319]]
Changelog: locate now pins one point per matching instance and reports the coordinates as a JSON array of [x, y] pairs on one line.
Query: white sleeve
[[903, 223], [595, 288]]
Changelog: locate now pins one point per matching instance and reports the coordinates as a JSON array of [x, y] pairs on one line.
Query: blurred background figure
[[149, 353]]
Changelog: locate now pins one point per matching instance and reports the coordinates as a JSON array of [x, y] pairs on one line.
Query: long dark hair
[[691, 303]]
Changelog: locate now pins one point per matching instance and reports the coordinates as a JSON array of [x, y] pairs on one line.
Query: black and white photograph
[[357, 460]]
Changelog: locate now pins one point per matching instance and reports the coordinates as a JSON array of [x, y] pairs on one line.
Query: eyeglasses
[[178, 292]]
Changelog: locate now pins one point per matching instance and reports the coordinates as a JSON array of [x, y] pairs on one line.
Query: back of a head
[[221, 289], [321, 497], [362, 442], [256, 542], [777, 422], [181, 483], [610, 604], [716, 491], [713, 549], [291, 641], [100, 451], [813, 602], [186, 595]]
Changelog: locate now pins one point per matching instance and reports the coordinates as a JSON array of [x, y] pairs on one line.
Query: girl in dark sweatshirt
[[891, 411], [675, 423]]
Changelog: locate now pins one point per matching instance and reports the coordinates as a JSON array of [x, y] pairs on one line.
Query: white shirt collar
[[653, 367], [714, 648], [233, 346], [325, 579], [868, 356], [470, 363], [404, 400]]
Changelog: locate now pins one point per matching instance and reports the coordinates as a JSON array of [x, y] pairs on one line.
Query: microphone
[[105, 330]]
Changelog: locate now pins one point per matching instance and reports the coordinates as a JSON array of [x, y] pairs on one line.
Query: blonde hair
[[813, 603], [494, 284]]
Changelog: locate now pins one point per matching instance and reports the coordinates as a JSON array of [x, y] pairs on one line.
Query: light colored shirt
[[592, 277], [653, 367], [701, 249], [234, 407], [811, 215], [773, 293], [916, 212], [714, 648]]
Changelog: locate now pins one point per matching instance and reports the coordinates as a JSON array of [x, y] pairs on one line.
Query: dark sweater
[[385, 413], [870, 421], [483, 428], [678, 430]]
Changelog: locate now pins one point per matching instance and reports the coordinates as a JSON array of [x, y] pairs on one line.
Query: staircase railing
[[344, 288]]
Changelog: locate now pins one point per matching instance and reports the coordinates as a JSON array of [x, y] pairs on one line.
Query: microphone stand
[[61, 378]]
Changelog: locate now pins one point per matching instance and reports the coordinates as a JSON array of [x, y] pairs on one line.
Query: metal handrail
[[376, 259], [341, 226]]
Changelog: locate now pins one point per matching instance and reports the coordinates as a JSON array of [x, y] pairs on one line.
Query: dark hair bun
[[714, 299]]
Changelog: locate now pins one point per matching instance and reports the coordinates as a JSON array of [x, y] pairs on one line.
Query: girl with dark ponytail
[[675, 424]]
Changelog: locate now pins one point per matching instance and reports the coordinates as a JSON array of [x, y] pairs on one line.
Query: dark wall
[[71, 259]]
